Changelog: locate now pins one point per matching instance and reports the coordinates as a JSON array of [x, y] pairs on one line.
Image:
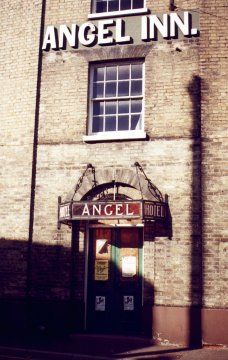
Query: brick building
[[113, 168]]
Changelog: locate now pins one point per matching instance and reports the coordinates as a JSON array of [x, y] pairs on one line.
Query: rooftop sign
[[128, 30]]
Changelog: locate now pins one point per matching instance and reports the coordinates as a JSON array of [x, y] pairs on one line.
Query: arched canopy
[[129, 183], [112, 194]]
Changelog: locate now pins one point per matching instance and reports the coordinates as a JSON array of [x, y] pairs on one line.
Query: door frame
[[87, 239]]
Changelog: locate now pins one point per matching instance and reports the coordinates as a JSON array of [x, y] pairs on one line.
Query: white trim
[[91, 77], [113, 135], [116, 135], [114, 98], [118, 13], [143, 96]]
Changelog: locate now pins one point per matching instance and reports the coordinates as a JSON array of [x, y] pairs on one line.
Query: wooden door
[[114, 297]]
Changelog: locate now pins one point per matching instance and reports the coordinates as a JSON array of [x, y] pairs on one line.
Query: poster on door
[[128, 303], [128, 266], [101, 270], [100, 303], [101, 247]]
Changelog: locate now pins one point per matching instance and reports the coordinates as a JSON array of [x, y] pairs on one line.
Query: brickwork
[[213, 61], [185, 122], [170, 109], [18, 73], [62, 119], [59, 12]]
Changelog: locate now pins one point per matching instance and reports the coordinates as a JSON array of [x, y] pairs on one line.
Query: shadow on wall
[[55, 303], [50, 320], [48, 304], [196, 288], [54, 306]]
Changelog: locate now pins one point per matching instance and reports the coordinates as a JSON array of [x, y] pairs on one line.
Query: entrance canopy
[[104, 196]]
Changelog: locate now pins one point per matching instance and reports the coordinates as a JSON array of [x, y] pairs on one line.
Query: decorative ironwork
[[80, 180], [152, 188], [103, 191], [137, 172], [105, 202]]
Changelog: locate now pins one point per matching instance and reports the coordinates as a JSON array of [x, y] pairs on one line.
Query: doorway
[[114, 291]]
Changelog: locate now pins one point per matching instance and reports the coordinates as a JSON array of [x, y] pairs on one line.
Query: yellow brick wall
[[179, 121], [213, 63], [19, 40], [168, 157]]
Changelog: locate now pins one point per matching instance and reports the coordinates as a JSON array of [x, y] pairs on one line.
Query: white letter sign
[[50, 38], [104, 34]]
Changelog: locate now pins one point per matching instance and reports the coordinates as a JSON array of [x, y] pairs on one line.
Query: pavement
[[99, 347]]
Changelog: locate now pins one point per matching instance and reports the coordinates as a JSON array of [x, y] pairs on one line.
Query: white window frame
[[118, 134], [131, 11]]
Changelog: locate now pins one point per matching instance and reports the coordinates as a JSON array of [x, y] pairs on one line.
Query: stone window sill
[[117, 135], [118, 13]]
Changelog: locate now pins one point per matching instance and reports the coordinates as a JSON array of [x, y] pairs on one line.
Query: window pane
[[136, 71], [135, 122], [110, 107], [117, 97], [98, 74], [124, 72], [123, 88], [137, 4], [98, 108], [101, 6], [98, 90], [97, 124], [136, 87], [123, 122], [111, 73], [113, 5], [125, 4], [136, 106], [110, 123], [123, 107], [110, 89]]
